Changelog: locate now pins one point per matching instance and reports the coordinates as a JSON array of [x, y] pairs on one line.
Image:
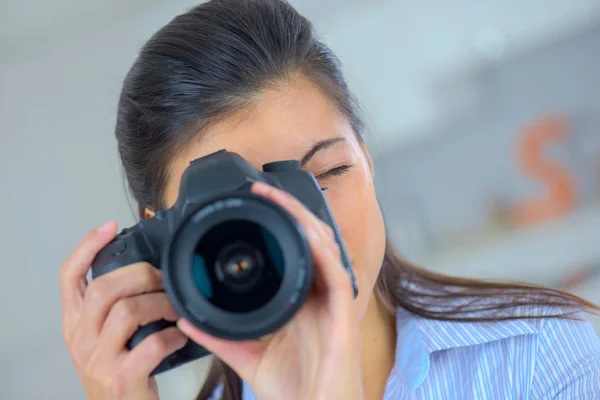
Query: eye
[[337, 171]]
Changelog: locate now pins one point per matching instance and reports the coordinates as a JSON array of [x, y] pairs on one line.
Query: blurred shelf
[[541, 254]]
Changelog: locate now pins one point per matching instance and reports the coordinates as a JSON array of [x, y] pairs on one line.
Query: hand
[[317, 354], [99, 319]]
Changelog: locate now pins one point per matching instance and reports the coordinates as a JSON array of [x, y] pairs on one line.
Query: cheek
[[359, 218]]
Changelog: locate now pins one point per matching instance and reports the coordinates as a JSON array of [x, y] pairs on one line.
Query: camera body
[[235, 264]]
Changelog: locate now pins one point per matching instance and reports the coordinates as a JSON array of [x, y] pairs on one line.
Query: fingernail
[[105, 227], [272, 192], [260, 187], [183, 325]]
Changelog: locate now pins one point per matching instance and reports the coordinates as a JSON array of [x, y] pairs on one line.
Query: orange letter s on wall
[[560, 197]]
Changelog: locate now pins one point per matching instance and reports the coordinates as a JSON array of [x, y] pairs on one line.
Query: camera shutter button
[[281, 166], [118, 248]]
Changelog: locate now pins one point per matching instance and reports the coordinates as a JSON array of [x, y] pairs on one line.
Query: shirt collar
[[417, 338]]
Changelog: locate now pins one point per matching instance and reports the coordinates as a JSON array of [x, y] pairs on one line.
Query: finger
[[330, 276], [147, 355], [313, 226], [126, 316], [105, 291], [330, 272], [242, 356], [72, 273]]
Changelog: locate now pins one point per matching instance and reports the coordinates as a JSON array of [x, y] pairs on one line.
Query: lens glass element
[[238, 266]]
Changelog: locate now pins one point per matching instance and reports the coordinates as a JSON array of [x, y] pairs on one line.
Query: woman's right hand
[[99, 319], [316, 355]]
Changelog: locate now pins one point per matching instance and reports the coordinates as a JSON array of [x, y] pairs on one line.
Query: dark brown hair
[[211, 62]]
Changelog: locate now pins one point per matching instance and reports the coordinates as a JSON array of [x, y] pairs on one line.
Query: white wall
[[60, 177], [399, 55]]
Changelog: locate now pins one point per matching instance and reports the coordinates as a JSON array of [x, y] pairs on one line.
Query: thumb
[[242, 356]]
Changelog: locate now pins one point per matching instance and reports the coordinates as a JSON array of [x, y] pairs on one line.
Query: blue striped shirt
[[515, 359]]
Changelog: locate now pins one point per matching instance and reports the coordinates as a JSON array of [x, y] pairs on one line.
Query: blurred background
[[484, 121]]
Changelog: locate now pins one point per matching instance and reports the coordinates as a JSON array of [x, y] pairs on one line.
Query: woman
[[249, 76]]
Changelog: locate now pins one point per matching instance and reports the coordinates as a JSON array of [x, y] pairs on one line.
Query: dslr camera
[[235, 264]]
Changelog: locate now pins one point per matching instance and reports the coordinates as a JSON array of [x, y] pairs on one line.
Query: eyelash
[[337, 171]]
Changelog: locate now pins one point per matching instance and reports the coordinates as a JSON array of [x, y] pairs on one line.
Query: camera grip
[[190, 351], [130, 247]]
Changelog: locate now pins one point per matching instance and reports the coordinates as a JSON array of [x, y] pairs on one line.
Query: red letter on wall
[[560, 195]]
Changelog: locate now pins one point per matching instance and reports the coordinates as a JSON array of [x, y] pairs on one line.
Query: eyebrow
[[322, 145]]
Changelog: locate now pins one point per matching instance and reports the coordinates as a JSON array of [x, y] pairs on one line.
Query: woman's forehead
[[283, 123]]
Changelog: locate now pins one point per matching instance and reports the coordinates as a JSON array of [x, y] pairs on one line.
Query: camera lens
[[238, 265]]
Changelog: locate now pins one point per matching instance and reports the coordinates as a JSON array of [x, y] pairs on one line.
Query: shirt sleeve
[[567, 361]]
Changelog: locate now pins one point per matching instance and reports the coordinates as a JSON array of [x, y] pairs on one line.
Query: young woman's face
[[287, 124]]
